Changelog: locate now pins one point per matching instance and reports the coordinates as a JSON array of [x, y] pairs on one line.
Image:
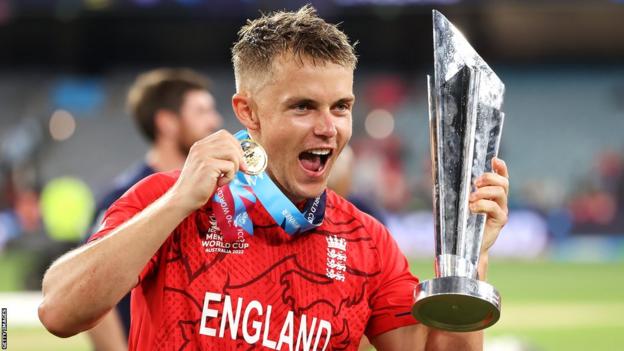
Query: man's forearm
[[80, 287], [439, 340], [483, 266]]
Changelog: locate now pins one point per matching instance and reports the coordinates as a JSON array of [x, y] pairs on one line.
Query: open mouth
[[314, 160]]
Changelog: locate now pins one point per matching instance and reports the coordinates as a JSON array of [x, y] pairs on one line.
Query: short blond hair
[[301, 33]]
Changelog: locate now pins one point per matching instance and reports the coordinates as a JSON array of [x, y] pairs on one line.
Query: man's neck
[[165, 156], [297, 201]]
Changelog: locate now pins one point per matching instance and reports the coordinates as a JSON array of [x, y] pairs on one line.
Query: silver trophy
[[465, 119]]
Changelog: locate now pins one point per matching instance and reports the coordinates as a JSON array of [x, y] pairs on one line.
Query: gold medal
[[255, 157]]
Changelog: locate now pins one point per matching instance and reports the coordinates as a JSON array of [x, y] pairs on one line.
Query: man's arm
[[490, 198], [109, 334], [84, 284], [421, 338]]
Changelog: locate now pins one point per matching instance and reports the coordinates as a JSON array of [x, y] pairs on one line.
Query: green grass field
[[557, 306], [552, 306]]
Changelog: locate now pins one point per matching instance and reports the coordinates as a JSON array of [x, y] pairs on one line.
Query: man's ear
[[166, 124], [242, 106]]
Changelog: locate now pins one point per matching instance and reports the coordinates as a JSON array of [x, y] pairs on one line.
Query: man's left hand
[[490, 198]]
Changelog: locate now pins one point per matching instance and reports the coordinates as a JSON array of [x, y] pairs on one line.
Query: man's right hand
[[212, 162]]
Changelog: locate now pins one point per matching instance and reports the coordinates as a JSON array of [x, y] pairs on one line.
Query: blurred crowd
[[597, 204], [388, 170]]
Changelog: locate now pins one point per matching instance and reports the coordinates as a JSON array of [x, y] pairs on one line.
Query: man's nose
[[325, 125]]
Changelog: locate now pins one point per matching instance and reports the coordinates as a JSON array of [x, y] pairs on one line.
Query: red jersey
[[320, 290]]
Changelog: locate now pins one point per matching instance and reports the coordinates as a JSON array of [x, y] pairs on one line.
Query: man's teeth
[[320, 152]]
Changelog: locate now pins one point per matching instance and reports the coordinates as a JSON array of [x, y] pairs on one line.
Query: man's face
[[198, 118], [304, 114]]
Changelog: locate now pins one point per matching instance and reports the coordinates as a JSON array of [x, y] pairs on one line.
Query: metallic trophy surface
[[465, 98]]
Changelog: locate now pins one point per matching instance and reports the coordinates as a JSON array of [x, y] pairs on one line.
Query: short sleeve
[[393, 300], [137, 198]]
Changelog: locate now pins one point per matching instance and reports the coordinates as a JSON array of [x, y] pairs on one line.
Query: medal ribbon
[[231, 204]]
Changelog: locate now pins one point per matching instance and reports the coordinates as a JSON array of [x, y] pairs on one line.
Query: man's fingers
[[500, 167], [228, 171], [223, 145], [219, 150], [494, 193], [491, 209], [493, 179]]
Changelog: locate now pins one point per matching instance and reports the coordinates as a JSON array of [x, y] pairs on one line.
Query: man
[[314, 284], [172, 108]]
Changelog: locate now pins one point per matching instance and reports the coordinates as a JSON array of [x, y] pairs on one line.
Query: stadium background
[[65, 66]]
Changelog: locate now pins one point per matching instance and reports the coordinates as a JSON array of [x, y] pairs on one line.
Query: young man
[[172, 109], [199, 282]]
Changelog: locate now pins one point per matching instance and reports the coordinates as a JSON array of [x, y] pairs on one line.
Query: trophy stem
[[448, 265]]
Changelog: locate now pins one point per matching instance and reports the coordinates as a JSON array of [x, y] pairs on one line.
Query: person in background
[[172, 108], [341, 181]]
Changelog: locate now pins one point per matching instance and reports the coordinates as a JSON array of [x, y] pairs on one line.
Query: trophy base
[[457, 304]]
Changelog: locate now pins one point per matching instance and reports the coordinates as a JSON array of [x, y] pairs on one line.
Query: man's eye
[[301, 107], [342, 107]]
